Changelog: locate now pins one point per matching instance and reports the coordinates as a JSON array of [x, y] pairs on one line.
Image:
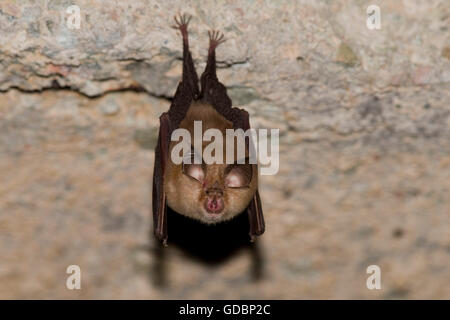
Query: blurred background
[[364, 121]]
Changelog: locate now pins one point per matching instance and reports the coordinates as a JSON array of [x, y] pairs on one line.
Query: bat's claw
[[182, 22], [215, 38]]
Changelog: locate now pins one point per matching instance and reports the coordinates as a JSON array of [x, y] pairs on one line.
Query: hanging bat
[[209, 193]]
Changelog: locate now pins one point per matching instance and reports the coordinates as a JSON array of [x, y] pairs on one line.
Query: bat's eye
[[238, 175], [192, 169]]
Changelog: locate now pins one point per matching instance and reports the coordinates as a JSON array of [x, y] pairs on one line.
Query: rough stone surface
[[364, 119]]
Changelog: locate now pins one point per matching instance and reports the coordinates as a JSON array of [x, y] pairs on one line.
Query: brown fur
[[185, 195]]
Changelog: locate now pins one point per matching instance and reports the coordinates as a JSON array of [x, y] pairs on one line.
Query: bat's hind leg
[[189, 78], [209, 77], [215, 39], [181, 23]]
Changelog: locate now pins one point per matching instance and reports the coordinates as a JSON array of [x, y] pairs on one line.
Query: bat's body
[[210, 193]]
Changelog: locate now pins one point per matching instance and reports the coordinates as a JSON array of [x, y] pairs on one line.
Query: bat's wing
[[215, 93], [186, 92], [158, 195], [254, 209]]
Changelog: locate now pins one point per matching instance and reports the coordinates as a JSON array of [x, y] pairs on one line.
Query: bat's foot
[[181, 23], [215, 38]]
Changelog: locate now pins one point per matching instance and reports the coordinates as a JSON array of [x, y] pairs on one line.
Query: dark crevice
[[55, 86], [224, 64]]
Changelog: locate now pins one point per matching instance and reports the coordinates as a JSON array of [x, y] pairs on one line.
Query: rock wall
[[364, 122]]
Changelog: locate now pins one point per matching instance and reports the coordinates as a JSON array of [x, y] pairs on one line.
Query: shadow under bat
[[210, 245]]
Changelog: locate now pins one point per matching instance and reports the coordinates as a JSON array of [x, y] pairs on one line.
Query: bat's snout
[[214, 199], [214, 205]]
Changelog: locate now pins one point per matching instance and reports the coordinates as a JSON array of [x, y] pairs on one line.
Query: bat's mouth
[[214, 206]]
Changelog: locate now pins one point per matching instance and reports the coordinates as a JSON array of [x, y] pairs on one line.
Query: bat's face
[[213, 192]]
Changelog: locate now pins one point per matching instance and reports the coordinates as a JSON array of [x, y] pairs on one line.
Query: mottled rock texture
[[364, 121]]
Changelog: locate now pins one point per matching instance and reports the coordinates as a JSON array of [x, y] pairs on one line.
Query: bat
[[209, 193]]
